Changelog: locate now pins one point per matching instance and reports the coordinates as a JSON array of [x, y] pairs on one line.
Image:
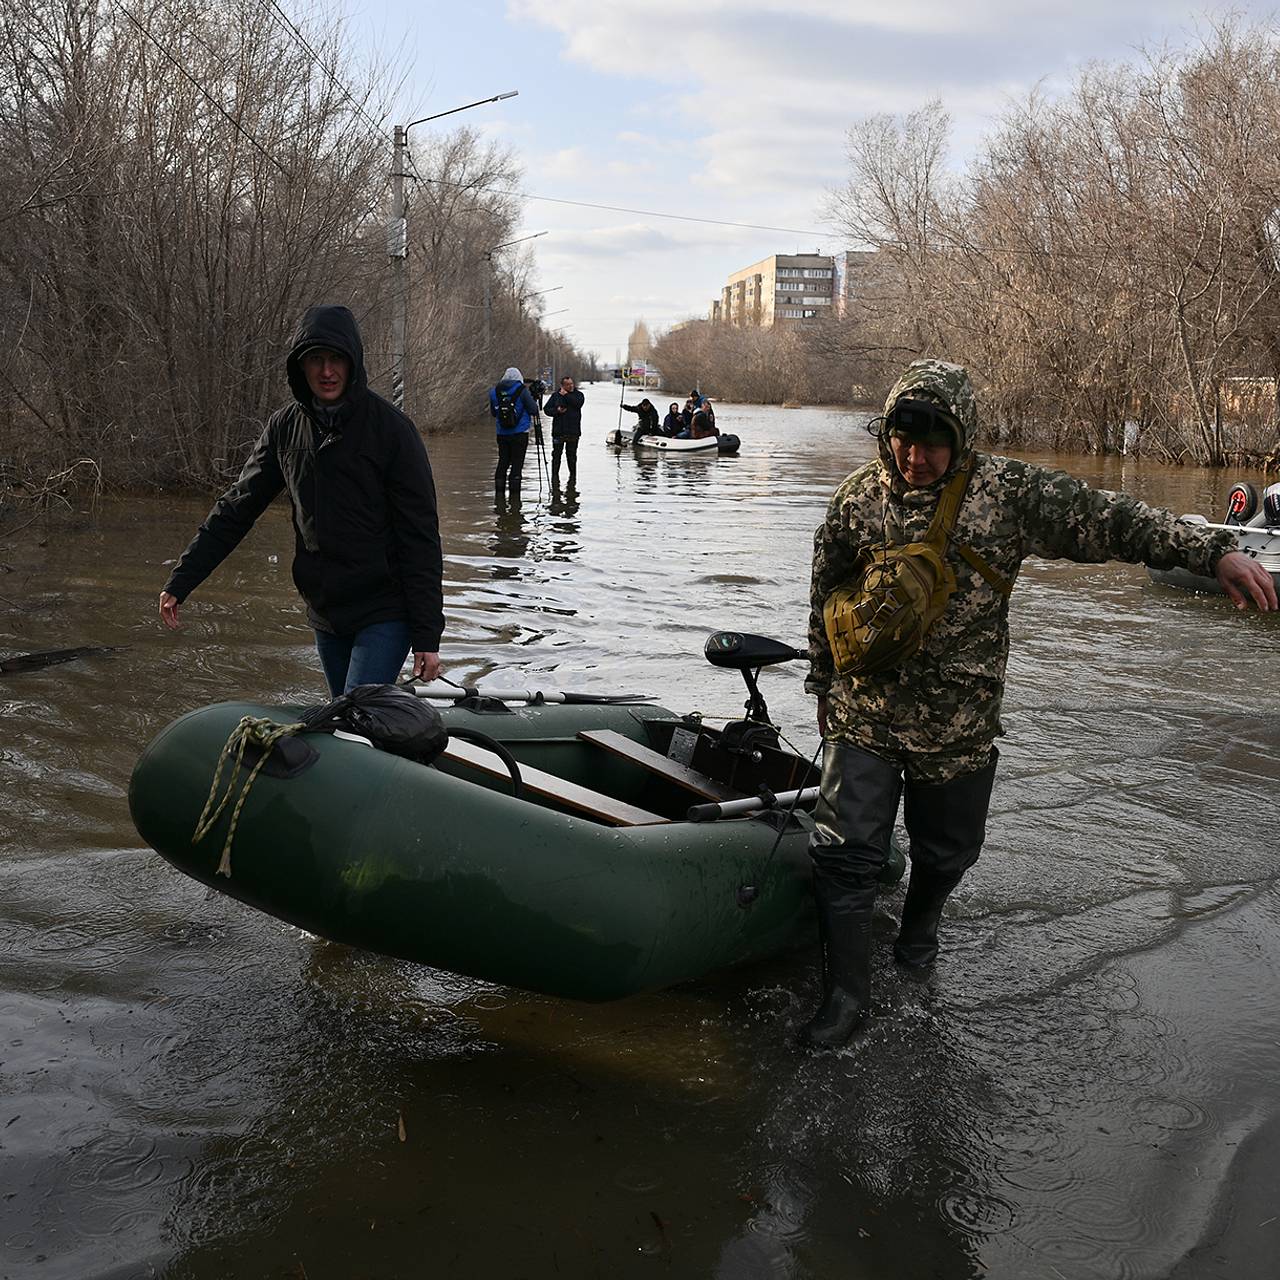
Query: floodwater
[[1085, 1087]]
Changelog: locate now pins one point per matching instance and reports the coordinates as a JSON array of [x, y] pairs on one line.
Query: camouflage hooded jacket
[[946, 699]]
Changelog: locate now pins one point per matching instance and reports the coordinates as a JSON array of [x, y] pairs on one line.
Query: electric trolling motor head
[[749, 654]]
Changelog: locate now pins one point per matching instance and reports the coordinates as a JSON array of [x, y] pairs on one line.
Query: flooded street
[[1085, 1087]]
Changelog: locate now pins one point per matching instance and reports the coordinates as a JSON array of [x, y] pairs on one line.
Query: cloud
[[559, 164], [626, 241], [573, 162], [738, 110]]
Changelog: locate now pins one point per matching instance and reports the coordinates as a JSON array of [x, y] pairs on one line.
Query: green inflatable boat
[[582, 847]]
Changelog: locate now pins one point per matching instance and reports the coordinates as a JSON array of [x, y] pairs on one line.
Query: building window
[[817, 302], [817, 273]]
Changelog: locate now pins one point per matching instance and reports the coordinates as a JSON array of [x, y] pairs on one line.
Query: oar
[[438, 691], [751, 804]]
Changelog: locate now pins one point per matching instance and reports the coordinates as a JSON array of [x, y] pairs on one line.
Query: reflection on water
[[1083, 1088]]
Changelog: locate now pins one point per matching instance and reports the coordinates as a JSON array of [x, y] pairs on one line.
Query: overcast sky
[[732, 111]]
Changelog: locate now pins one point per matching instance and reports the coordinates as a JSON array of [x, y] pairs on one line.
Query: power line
[[213, 102], [290, 27], [645, 213], [958, 244]]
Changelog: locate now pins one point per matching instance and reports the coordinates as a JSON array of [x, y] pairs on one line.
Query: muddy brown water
[[1085, 1087]]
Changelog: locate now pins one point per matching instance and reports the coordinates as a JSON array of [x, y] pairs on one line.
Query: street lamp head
[[506, 244], [498, 97]]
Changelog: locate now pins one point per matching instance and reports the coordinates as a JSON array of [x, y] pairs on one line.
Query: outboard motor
[[1242, 504], [1271, 505], [749, 654]]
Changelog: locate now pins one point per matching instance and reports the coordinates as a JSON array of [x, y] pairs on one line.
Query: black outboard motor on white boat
[[1271, 506], [1243, 507]]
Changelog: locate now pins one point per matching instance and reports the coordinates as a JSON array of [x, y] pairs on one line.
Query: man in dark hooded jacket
[[366, 539], [647, 422], [918, 725], [565, 411]]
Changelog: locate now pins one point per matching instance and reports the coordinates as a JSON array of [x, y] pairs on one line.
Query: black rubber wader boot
[[947, 823], [856, 809]]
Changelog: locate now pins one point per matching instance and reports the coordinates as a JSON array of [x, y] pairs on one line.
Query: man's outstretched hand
[[1246, 581], [169, 611]]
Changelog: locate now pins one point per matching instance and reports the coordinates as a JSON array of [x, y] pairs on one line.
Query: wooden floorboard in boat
[[628, 749], [550, 787]]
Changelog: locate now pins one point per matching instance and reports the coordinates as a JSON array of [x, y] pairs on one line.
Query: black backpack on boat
[[391, 716]]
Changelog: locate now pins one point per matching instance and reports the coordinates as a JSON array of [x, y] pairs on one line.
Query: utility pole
[[488, 296], [398, 251], [488, 280], [398, 245], [537, 332], [553, 336]]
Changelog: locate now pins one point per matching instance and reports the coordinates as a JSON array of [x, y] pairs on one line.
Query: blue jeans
[[374, 655]]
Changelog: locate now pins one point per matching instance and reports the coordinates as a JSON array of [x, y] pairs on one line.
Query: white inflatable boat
[[1256, 526], [723, 443]]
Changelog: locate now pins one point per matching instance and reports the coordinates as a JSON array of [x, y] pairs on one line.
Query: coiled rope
[[260, 732]]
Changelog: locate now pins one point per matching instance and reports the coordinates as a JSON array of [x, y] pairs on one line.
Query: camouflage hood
[[948, 386]]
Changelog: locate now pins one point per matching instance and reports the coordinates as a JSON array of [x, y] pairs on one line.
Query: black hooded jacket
[[565, 411], [647, 424], [366, 536]]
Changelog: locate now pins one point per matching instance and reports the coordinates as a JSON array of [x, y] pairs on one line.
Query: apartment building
[[855, 273], [781, 289]]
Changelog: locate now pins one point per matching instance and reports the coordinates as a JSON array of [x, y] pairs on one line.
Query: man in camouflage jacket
[[924, 731]]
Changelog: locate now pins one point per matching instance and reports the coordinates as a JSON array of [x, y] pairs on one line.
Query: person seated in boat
[[367, 557], [647, 419], [709, 411], [695, 399], [674, 422], [702, 427], [909, 708]]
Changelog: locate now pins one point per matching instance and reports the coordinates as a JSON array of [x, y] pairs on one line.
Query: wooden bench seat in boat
[[550, 787], [672, 770]]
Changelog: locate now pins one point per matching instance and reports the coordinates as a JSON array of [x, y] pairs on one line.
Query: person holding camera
[[564, 408], [514, 411]]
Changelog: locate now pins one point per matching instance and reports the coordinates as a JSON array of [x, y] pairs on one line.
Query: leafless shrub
[[182, 181], [1108, 265]]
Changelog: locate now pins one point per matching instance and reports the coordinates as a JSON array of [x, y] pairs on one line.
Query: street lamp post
[[398, 244], [537, 339], [488, 279], [537, 293]]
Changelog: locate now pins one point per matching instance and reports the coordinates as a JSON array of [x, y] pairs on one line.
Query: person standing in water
[[908, 641], [564, 408], [514, 411], [367, 557]]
